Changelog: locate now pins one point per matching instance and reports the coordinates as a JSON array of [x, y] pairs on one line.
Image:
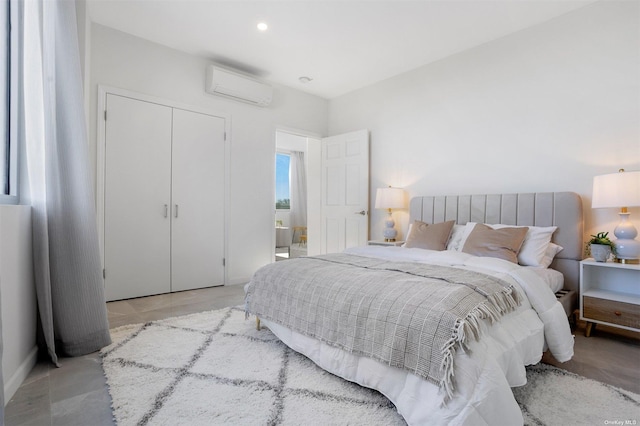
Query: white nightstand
[[385, 243], [609, 294]]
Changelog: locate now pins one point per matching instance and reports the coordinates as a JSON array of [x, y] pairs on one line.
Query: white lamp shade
[[620, 189], [390, 198]]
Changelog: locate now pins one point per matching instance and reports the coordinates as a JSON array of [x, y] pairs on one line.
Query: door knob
[[361, 212]]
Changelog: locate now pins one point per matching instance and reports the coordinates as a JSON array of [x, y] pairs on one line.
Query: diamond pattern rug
[[215, 368]]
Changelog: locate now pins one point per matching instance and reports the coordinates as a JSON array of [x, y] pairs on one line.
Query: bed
[[440, 360]]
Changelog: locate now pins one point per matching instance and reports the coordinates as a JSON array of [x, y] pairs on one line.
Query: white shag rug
[[215, 368]]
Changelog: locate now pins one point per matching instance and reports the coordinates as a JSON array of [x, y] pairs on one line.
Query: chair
[[302, 238]]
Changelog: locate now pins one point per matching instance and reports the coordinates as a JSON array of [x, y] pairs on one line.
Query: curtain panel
[[67, 264], [298, 214]]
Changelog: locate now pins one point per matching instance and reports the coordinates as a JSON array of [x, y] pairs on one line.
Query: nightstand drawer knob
[[618, 313]]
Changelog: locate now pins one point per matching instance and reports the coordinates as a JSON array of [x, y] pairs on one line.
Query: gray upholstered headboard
[[561, 209]]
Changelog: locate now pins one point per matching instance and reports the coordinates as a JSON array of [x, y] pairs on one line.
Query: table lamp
[[390, 198], [620, 189]]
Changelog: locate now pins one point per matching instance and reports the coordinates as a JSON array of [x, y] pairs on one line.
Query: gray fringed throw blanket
[[405, 315]]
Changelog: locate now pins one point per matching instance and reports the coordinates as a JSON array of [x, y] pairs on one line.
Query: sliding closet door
[[137, 198], [198, 172]]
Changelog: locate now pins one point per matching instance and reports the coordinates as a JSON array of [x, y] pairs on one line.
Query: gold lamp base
[[628, 261]]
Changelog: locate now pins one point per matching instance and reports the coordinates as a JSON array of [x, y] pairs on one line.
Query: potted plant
[[600, 247]]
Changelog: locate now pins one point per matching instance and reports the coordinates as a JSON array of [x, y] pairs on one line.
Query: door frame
[[103, 91], [312, 156]]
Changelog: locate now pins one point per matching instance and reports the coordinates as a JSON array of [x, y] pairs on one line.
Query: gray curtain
[[67, 265], [298, 213]]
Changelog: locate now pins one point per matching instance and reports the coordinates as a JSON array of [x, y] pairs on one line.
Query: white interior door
[[345, 191], [198, 192], [137, 198]]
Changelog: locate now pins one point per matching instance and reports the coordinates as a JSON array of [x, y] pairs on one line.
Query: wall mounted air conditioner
[[237, 86]]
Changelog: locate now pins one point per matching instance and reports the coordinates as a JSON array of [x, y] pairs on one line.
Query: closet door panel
[[198, 173], [137, 188]]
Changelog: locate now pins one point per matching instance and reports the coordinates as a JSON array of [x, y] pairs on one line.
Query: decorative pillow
[[430, 237], [549, 254], [502, 243], [535, 243]]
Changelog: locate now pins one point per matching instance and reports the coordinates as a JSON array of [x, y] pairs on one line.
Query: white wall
[[282, 215], [18, 297], [128, 62], [544, 109], [17, 289], [288, 142]]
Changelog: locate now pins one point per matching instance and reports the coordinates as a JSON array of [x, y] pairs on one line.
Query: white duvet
[[484, 375]]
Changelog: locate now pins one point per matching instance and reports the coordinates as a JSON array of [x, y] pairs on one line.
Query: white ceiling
[[341, 45]]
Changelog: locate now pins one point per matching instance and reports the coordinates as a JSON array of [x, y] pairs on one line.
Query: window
[[283, 162], [8, 78]]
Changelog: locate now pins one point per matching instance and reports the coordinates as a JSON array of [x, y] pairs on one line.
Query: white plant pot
[[600, 252]]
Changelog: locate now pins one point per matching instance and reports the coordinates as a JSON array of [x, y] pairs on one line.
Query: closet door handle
[[176, 211], [166, 210]]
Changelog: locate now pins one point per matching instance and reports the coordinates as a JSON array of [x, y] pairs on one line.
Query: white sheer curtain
[[298, 212], [67, 266]]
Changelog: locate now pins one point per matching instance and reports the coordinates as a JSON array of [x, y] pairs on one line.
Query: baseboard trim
[[13, 383], [239, 280]]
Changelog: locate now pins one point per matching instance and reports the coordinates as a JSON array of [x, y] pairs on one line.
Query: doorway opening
[[337, 196], [291, 196]]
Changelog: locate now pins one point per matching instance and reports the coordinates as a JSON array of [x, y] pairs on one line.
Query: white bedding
[[554, 279], [483, 375]]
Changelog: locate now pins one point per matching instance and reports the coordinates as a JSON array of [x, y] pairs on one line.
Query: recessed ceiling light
[[263, 26], [305, 80]]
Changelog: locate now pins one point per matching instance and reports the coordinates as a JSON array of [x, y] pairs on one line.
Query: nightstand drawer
[[611, 311]]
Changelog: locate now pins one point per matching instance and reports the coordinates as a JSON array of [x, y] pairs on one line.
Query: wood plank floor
[[76, 393]]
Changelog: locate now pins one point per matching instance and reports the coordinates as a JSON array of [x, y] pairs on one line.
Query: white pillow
[[461, 236], [457, 233], [406, 235], [535, 243], [549, 254]]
